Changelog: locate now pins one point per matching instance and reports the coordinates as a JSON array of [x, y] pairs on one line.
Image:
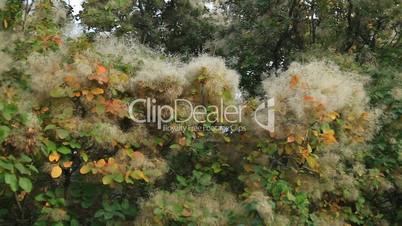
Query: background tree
[[265, 35], [177, 26]]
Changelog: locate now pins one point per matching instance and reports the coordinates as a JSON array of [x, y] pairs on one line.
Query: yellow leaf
[[5, 23], [299, 139], [111, 161], [138, 175], [365, 116], [248, 167], [333, 115], [85, 169], [288, 149], [108, 179], [312, 163], [54, 157], [88, 95], [97, 91], [56, 172], [67, 164], [329, 137]]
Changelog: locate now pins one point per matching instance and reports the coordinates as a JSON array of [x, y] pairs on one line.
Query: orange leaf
[[70, 81], [69, 78], [54, 157], [101, 163], [101, 69], [294, 81], [44, 110], [365, 116], [186, 213], [308, 98], [100, 79], [56, 172], [115, 106], [57, 40], [137, 155], [182, 141], [291, 138], [305, 152], [67, 164]]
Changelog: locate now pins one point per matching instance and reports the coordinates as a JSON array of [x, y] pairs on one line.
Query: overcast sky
[[76, 4]]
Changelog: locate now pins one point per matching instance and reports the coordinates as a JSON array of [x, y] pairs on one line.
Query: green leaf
[[74, 144], [50, 146], [107, 179], [6, 165], [25, 158], [25, 184], [216, 167], [290, 196], [227, 95], [58, 92], [84, 156], [4, 132], [33, 168], [22, 169], [181, 180], [118, 177], [175, 147], [270, 148], [3, 212], [11, 180], [40, 197], [9, 111], [62, 133], [205, 180], [64, 150], [49, 127], [74, 222]]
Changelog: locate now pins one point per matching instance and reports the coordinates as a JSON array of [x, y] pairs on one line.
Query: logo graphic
[[268, 122], [162, 115]]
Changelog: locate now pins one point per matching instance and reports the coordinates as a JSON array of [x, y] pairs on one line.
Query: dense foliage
[[71, 155]]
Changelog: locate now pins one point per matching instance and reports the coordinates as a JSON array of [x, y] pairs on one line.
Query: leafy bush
[[71, 155]]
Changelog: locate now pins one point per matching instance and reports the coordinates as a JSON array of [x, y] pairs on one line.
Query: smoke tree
[[71, 153]]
